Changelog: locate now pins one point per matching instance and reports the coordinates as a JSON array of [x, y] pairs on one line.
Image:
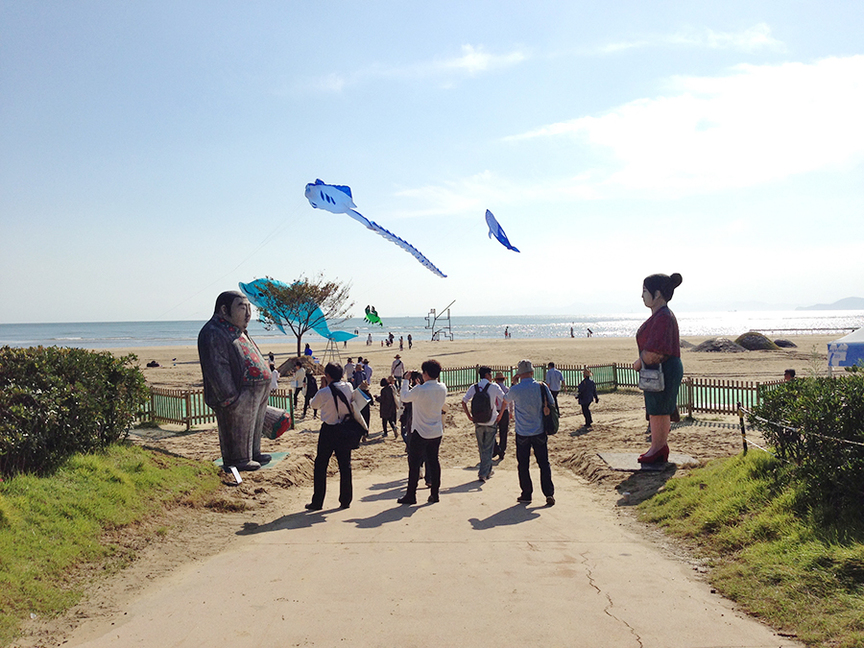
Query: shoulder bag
[[350, 428], [651, 379], [550, 420]]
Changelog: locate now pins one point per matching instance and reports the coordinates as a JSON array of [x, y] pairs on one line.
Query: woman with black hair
[[659, 344]]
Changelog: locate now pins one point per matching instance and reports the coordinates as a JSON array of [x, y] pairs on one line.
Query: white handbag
[[651, 380]]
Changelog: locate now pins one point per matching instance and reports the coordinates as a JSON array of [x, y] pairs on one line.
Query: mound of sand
[[719, 345], [754, 341]]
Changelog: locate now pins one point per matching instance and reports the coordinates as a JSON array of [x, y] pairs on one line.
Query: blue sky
[[153, 154]]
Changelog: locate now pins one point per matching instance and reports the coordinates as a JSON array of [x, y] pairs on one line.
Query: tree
[[305, 305]]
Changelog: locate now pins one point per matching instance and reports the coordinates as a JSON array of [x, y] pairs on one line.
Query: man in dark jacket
[[585, 393]]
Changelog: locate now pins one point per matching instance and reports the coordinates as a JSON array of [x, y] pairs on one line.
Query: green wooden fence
[[187, 406]]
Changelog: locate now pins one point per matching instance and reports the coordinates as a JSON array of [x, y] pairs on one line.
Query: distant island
[[848, 303]]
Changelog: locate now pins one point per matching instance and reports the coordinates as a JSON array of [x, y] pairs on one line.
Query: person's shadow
[[514, 515], [299, 520]]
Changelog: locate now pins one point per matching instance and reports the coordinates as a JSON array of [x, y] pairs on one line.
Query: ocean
[[108, 335]]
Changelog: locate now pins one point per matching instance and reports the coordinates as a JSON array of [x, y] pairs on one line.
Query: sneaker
[[550, 501], [524, 499]]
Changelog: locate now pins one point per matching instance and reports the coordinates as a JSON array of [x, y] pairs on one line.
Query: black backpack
[[481, 406]]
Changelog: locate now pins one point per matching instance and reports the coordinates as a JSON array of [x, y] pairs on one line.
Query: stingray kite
[[338, 200], [496, 230], [372, 316], [309, 312]]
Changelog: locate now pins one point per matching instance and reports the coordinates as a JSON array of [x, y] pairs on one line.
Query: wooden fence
[[187, 406], [695, 395]]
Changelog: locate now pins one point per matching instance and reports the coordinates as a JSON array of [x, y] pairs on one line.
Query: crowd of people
[[412, 405]]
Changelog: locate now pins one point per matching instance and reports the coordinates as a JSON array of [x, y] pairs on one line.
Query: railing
[[187, 406], [695, 394]]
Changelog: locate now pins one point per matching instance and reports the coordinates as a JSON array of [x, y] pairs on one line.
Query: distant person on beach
[[659, 344], [585, 393], [529, 408], [504, 421], [788, 375], [590, 332], [401, 343], [427, 428], [571, 332], [348, 369], [388, 405], [410, 341], [308, 350], [555, 380], [274, 378], [311, 390], [299, 379], [334, 408], [486, 399], [272, 358], [506, 332], [369, 339], [397, 369], [236, 381]]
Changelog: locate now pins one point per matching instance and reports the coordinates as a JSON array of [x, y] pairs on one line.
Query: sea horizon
[[107, 335]]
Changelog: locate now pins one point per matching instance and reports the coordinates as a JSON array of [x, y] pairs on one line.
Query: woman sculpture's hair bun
[[664, 283]]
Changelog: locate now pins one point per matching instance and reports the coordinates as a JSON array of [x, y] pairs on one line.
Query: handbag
[[550, 420], [651, 379], [352, 428]]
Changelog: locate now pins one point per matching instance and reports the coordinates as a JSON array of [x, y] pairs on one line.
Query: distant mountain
[[848, 303]]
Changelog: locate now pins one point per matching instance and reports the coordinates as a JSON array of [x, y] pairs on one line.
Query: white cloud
[[754, 125], [472, 61], [752, 39]]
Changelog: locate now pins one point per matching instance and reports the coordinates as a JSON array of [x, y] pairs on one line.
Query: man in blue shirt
[[555, 380], [528, 399]]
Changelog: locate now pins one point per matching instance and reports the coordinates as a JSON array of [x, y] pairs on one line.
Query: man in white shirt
[[427, 428], [555, 381], [330, 438], [488, 405], [348, 370]]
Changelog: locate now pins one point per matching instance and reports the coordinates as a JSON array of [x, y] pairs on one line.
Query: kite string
[[266, 240]]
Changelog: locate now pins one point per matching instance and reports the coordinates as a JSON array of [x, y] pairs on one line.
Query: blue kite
[[497, 231], [338, 200], [256, 292]]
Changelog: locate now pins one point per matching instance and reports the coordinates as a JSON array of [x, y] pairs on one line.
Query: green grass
[[50, 525], [770, 554]]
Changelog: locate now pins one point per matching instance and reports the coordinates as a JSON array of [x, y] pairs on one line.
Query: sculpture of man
[[236, 381]]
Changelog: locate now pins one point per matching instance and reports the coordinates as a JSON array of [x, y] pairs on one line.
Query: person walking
[[530, 406], [397, 369], [555, 381], [427, 428], [331, 440], [297, 381], [410, 341], [311, 390], [585, 393], [487, 404], [388, 405], [504, 420]]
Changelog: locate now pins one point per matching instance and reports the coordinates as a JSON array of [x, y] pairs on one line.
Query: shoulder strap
[[337, 393]]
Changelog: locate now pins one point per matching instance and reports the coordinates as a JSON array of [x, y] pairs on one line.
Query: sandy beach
[[619, 426]]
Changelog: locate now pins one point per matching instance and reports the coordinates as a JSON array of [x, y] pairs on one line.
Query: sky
[[154, 154]]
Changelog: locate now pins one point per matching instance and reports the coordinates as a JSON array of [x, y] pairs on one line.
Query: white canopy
[[848, 351]]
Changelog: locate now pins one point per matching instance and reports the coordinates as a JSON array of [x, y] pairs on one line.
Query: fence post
[[615, 376], [188, 398], [690, 399], [743, 430]]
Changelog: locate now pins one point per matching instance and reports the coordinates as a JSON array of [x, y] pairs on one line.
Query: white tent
[[848, 351]]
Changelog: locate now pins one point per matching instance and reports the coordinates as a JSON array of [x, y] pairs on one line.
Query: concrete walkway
[[476, 569]]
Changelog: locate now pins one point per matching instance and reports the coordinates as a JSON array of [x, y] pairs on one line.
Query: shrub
[[823, 435], [58, 401]]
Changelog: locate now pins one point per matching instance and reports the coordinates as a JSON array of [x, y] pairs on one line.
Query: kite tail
[[405, 245]]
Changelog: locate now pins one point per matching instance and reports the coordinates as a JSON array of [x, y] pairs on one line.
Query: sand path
[[476, 569]]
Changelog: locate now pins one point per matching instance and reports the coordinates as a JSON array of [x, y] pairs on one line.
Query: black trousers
[[503, 430], [586, 412], [524, 444], [555, 398], [330, 442], [420, 450]]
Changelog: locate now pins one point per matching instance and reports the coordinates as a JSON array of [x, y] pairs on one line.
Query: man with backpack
[[487, 403]]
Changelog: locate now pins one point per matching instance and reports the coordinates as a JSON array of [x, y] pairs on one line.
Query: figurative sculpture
[[236, 381]]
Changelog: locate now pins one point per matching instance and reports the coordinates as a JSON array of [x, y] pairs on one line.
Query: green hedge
[[55, 402], [822, 436]]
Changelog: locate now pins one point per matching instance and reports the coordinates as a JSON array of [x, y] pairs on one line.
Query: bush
[[823, 415], [58, 401]]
